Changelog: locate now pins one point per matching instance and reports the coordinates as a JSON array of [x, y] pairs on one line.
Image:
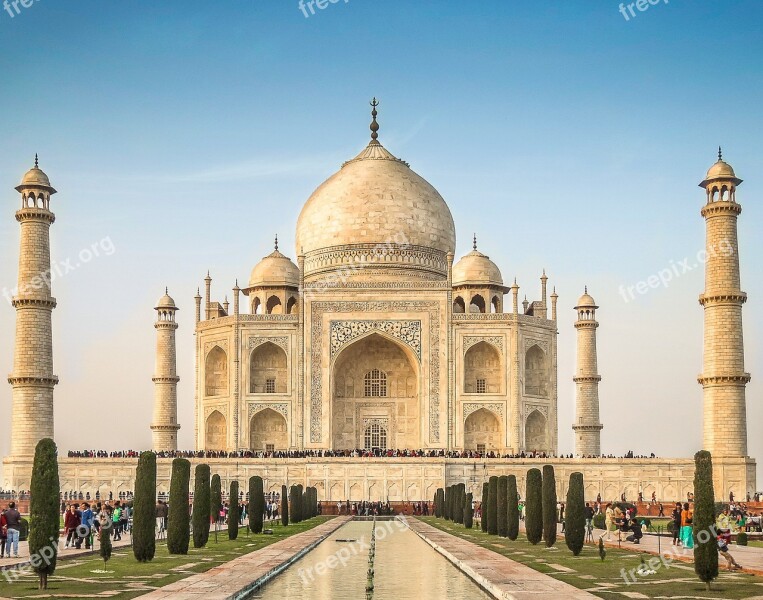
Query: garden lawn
[[605, 579], [75, 577]]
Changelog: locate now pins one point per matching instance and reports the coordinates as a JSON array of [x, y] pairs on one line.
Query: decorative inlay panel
[[344, 332], [471, 340], [541, 408], [470, 407], [280, 407], [318, 309], [542, 344], [209, 345], [281, 341], [221, 408]]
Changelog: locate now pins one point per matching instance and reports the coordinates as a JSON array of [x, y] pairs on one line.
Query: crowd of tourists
[[357, 453]]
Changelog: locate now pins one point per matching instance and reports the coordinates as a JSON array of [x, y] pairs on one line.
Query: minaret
[[32, 378], [587, 426], [164, 426], [723, 377]]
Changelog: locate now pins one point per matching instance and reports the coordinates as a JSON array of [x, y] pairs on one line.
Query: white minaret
[[32, 378], [164, 426], [723, 377], [587, 426]]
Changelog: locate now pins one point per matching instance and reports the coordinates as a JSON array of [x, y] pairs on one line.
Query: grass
[[75, 577], [605, 579]]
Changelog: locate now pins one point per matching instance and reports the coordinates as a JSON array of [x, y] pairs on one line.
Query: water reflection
[[405, 567]]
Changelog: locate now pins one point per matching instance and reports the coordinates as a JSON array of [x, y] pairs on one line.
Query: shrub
[[533, 507], [104, 537], [503, 506], [216, 498], [550, 517], [284, 506], [599, 521], [256, 504], [492, 506], [178, 519], [437, 504], [300, 509], [602, 549], [574, 515], [741, 539], [468, 512], [233, 511], [201, 506], [43, 510], [705, 544], [512, 508], [483, 506], [144, 509]]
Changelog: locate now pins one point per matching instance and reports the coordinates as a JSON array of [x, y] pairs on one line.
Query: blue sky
[[569, 138]]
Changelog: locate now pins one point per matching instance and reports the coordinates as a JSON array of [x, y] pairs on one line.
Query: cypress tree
[[201, 506], [468, 511], [178, 519], [503, 506], [512, 508], [233, 511], [549, 505], [300, 509], [705, 548], [259, 505], [446, 503], [533, 508], [215, 499], [144, 509], [104, 536], [437, 506], [284, 506], [574, 514], [459, 503], [483, 506], [492, 506], [44, 510]]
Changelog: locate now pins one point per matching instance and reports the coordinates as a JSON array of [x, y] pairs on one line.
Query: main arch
[[375, 396]]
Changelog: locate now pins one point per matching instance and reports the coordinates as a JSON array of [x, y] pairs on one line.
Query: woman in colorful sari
[[687, 534]]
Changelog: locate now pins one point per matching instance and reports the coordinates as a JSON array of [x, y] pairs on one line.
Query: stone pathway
[[500, 576], [238, 576]]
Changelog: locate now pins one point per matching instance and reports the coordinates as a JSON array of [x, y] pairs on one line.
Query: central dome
[[372, 210]]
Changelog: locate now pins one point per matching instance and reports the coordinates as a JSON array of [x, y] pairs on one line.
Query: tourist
[[676, 515], [687, 535], [588, 517], [609, 521], [116, 517], [635, 527], [71, 522], [723, 549], [86, 527], [662, 511], [13, 527], [3, 535]]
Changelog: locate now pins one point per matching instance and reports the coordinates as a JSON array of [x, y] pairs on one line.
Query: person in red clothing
[[71, 522], [3, 535]]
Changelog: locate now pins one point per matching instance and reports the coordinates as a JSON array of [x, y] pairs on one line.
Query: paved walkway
[[500, 576], [238, 576]]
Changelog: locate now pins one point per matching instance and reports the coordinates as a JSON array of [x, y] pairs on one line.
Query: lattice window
[[375, 383], [481, 386], [270, 447], [376, 437], [481, 448], [270, 386]]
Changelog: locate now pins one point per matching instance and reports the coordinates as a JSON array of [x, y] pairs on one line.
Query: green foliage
[[459, 501], [23, 530], [602, 549], [178, 520], [233, 511], [43, 510], [446, 511], [144, 509], [574, 514], [492, 506], [201, 506], [503, 506], [512, 508], [104, 537], [599, 521], [533, 507], [705, 546], [741, 539], [216, 498], [550, 516], [438, 503], [483, 505], [300, 507], [468, 511], [256, 503], [284, 506]]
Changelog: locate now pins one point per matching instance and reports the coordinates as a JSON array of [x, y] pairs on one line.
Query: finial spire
[[374, 124], [36, 161], [586, 289], [474, 242], [166, 290], [720, 154], [276, 242]]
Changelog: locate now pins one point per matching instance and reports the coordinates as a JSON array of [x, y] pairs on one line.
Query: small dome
[[166, 301], [275, 270], [476, 269], [586, 301], [35, 176], [721, 170]]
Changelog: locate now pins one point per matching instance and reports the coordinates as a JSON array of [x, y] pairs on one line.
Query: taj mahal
[[376, 337]]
